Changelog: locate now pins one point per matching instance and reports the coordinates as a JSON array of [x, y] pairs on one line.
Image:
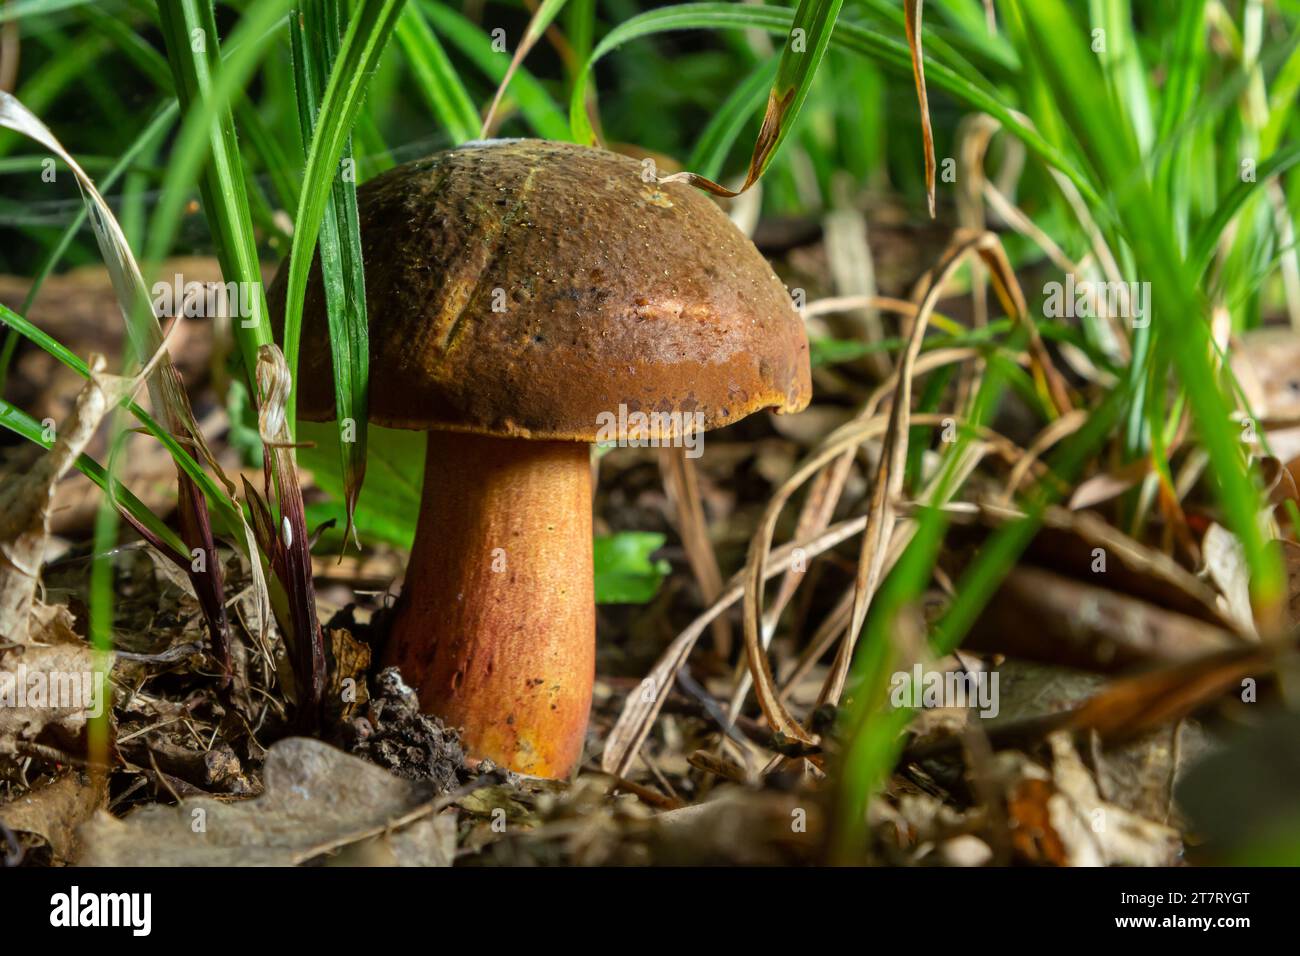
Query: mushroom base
[[496, 625]]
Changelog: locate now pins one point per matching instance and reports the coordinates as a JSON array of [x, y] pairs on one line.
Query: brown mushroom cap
[[523, 288]]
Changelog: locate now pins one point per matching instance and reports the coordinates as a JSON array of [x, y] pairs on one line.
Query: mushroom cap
[[533, 289]]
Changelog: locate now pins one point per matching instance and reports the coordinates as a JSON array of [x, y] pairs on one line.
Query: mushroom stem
[[496, 625]]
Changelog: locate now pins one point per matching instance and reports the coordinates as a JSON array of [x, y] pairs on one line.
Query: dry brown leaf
[[25, 500], [53, 812], [1225, 563], [1092, 626], [1085, 546], [51, 679], [430, 842], [317, 800], [347, 661], [1094, 832]]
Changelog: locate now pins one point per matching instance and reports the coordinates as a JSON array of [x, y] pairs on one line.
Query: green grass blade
[[1210, 232], [1121, 64], [538, 109], [580, 30], [367, 34], [1179, 313], [31, 9], [724, 126], [806, 43], [248, 42], [438, 81], [1285, 90], [193, 49], [314, 32], [542, 18]]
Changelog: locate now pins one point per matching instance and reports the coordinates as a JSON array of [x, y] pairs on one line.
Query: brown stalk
[[763, 537], [847, 436], [286, 544], [890, 471], [681, 482], [640, 709], [912, 10], [819, 506], [1063, 427], [824, 637]]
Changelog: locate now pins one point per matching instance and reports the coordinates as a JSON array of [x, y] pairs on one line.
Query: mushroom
[[527, 299]]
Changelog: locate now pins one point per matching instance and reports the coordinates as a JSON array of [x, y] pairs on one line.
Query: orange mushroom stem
[[496, 626]]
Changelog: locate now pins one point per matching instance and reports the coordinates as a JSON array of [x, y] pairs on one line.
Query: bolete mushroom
[[522, 296]]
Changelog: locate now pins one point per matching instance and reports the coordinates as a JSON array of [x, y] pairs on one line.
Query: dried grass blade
[[641, 709], [682, 485], [288, 544], [1008, 290], [810, 34], [893, 463], [912, 26], [845, 437], [541, 19]]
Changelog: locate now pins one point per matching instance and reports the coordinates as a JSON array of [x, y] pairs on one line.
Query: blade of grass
[[1211, 231], [20, 423], [314, 33], [248, 42], [193, 50], [728, 120], [364, 42], [537, 24], [913, 10], [438, 82], [30, 9], [810, 34], [580, 28], [541, 112], [1179, 324]]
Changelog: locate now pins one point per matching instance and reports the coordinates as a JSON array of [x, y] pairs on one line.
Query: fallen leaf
[[1097, 833], [53, 812], [317, 799], [1225, 563], [52, 679]]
